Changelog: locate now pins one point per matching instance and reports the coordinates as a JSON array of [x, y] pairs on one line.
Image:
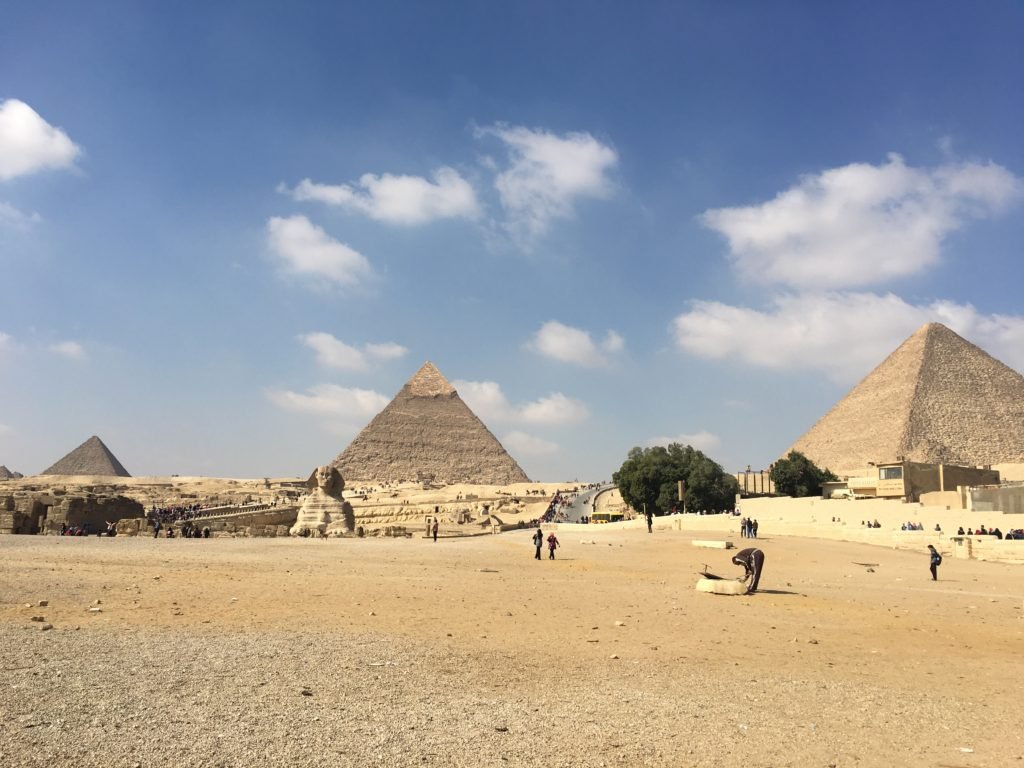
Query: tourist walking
[[934, 562], [552, 545], [434, 530], [650, 520], [538, 541]]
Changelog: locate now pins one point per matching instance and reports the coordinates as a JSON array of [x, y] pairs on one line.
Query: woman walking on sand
[[936, 561], [552, 545]]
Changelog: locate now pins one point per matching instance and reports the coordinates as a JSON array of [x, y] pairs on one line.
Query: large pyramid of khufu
[[90, 458], [426, 433], [936, 399]]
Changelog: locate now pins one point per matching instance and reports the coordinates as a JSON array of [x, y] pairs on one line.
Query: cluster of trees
[[649, 479], [798, 476], [650, 476]]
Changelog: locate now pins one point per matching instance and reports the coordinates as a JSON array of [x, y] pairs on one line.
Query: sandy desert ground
[[468, 652]]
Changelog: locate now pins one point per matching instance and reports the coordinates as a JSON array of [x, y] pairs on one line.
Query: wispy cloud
[[331, 352], [843, 335], [72, 350], [29, 144], [305, 249], [860, 224], [524, 444], [16, 219], [486, 400], [546, 174], [404, 200], [351, 405], [574, 345], [702, 441]]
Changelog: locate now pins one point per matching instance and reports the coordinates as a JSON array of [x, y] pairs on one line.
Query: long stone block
[[712, 543]]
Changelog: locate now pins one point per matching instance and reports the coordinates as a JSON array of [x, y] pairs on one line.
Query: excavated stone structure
[[936, 399], [90, 458], [44, 512], [324, 510], [428, 434]]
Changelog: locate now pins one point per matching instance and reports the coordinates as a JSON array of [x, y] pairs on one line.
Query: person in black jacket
[[935, 562], [752, 561]]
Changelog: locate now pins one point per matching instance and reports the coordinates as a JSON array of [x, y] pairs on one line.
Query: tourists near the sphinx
[[538, 541], [433, 529], [552, 545], [934, 562], [752, 561]]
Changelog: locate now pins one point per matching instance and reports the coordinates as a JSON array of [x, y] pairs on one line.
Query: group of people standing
[[748, 528], [538, 543]]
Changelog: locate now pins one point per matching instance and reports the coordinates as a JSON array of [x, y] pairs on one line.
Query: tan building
[[908, 480]]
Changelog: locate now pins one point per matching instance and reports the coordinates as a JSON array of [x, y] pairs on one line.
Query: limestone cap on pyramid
[[90, 458], [937, 398], [427, 431]]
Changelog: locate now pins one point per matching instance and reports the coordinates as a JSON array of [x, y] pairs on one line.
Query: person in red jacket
[[552, 545]]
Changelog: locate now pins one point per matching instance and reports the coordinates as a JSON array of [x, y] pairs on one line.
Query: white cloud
[[69, 349], [548, 173], [6, 430], [29, 144], [398, 199], [613, 342], [702, 441], [573, 345], [524, 444], [487, 401], [6, 341], [386, 351], [860, 224], [12, 217], [334, 353], [554, 409], [844, 335], [305, 249], [353, 405]]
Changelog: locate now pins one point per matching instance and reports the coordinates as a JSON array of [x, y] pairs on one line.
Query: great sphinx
[[324, 510]]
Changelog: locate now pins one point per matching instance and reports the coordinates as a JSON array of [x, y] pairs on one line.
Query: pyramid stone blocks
[[936, 399], [428, 433]]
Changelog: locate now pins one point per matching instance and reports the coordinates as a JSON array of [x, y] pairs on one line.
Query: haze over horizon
[[230, 233]]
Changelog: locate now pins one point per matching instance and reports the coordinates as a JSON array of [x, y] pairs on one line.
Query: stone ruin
[[324, 511], [28, 512]]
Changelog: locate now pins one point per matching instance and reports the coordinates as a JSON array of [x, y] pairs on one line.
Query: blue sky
[[230, 232]]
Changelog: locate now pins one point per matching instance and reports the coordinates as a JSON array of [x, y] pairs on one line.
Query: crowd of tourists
[[981, 531], [175, 513]]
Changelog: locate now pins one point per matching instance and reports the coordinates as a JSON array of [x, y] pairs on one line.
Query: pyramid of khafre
[[90, 458], [427, 432], [936, 399]]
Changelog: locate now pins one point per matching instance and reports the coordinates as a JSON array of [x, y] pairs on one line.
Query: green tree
[[797, 476], [650, 476]]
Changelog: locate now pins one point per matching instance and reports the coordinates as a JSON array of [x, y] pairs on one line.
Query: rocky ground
[[468, 652]]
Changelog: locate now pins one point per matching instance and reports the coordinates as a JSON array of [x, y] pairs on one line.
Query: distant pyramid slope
[[90, 458], [6, 474], [937, 398], [426, 431]]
